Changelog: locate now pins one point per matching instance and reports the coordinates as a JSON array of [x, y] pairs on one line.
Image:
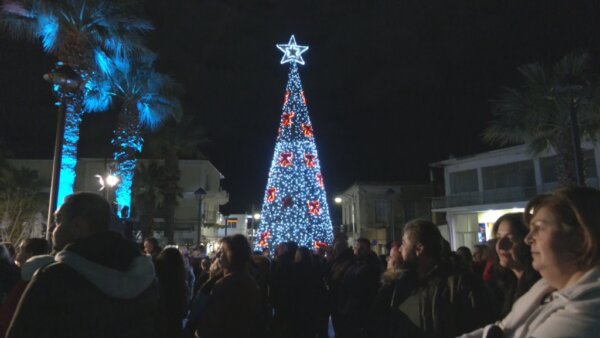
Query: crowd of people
[[538, 277]]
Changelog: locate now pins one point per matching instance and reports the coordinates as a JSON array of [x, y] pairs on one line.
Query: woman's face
[[507, 246], [549, 245]]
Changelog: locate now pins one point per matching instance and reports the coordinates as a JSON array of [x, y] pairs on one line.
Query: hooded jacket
[[100, 286]]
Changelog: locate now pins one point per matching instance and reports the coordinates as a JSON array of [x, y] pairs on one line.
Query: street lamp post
[[200, 194]]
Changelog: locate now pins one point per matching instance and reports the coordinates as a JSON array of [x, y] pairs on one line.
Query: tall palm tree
[[81, 34], [172, 143], [146, 184], [148, 98], [539, 113]]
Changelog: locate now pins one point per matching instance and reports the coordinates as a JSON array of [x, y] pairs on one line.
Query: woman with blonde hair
[[564, 237]]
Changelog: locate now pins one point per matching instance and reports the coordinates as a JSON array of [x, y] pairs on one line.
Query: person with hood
[[99, 286]]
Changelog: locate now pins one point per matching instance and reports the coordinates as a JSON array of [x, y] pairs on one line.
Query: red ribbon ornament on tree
[[320, 180], [307, 130], [309, 159], [286, 120], [287, 96], [285, 159], [271, 194], [314, 208], [264, 236], [319, 245]]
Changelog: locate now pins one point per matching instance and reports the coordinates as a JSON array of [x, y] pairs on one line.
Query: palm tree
[[148, 99], [81, 34], [148, 177], [171, 143], [540, 113]]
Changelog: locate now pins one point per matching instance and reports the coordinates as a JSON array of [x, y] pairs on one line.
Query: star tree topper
[[292, 52]]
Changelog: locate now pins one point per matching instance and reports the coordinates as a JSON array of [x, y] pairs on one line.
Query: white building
[[481, 187], [379, 210], [195, 176]]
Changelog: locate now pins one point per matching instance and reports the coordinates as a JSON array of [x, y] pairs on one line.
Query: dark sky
[[392, 85]]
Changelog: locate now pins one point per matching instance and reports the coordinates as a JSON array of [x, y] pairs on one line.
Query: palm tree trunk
[[147, 218], [565, 168], [128, 141], [73, 115]]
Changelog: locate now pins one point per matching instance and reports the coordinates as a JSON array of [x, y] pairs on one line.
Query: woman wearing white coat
[[564, 236]]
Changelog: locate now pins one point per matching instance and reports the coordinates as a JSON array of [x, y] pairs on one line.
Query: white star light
[[292, 52]]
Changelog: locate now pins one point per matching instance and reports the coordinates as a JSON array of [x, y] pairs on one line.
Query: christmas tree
[[295, 204]]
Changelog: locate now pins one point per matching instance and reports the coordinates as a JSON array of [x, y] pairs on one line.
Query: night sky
[[391, 85]]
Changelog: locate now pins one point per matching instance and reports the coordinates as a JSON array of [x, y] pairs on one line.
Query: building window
[[382, 211], [516, 174], [464, 181]]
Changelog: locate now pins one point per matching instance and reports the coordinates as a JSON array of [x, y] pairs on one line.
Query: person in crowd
[[359, 289], [282, 281], [203, 274], [564, 239], [27, 249], [100, 285], [481, 258], [260, 268], [464, 258], [151, 247], [171, 275], [308, 295], [190, 279], [380, 316], [342, 261], [9, 272], [432, 298], [12, 251], [31, 247], [515, 257], [233, 308]]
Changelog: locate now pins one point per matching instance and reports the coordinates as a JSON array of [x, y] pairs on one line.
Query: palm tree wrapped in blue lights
[[295, 203], [82, 34], [148, 98]]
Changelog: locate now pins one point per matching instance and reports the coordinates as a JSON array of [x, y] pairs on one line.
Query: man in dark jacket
[[359, 289], [100, 286], [431, 298]]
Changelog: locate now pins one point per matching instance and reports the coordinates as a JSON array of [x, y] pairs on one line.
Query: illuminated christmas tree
[[295, 204]]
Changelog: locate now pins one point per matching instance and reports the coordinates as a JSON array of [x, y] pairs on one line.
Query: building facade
[[197, 213], [482, 187], [379, 210]]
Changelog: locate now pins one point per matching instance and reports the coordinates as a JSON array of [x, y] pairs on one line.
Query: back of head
[[240, 251], [578, 213], [425, 232], [36, 246], [87, 207]]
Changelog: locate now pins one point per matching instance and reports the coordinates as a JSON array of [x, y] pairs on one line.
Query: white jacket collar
[[117, 284]]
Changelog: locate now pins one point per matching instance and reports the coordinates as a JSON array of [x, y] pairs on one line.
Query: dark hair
[[240, 251], [305, 255], [91, 208], [154, 243], [517, 225], [425, 232], [10, 248], [171, 275], [577, 210], [365, 242], [36, 246], [465, 254]]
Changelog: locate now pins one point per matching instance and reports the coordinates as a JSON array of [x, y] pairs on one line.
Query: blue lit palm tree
[[148, 98], [80, 33]]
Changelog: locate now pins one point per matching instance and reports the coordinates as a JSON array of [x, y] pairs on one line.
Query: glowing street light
[[256, 216], [338, 200]]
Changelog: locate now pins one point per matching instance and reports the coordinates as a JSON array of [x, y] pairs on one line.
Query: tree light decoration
[[295, 204]]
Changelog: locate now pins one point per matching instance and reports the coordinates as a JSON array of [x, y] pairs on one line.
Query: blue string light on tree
[[295, 203]]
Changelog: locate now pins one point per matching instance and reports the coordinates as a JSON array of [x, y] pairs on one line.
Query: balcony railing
[[503, 195]]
